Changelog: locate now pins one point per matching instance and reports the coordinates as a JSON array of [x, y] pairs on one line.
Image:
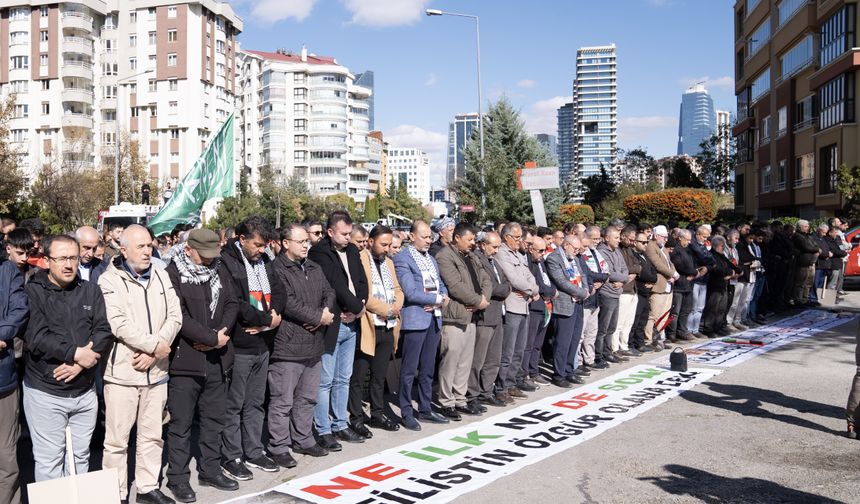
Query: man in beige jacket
[[145, 316], [661, 293]]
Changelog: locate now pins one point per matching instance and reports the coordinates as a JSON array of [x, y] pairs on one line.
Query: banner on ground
[[782, 332], [211, 177], [444, 466]]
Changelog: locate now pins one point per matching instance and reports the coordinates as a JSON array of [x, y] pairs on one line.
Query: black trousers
[[377, 364], [207, 397], [636, 338], [682, 305], [716, 309]]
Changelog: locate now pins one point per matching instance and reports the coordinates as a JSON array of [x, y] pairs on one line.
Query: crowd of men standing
[[296, 328]]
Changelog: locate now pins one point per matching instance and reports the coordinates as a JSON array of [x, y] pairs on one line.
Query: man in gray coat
[[469, 289], [609, 293], [524, 289], [490, 331]]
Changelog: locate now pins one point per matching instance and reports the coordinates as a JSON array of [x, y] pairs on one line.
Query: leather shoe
[[451, 414], [182, 492], [516, 393], [700, 335], [362, 430], [656, 347], [581, 371], [574, 380], [644, 349], [314, 450], [285, 460], [154, 497], [612, 358], [492, 401], [526, 386], [621, 357], [220, 482], [561, 382], [633, 352], [328, 442], [600, 365], [625, 353], [432, 417], [348, 436], [409, 423], [505, 398], [540, 379], [471, 409], [686, 337], [384, 423]]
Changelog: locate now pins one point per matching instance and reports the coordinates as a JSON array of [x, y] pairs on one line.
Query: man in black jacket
[[806, 252], [537, 323], [67, 335], [682, 293], [294, 372], [260, 298], [644, 283], [200, 363], [822, 263], [717, 303], [341, 263]]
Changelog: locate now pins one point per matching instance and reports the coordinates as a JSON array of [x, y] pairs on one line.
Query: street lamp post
[[119, 85], [437, 12]]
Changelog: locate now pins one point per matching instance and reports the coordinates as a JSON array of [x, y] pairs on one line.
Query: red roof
[[296, 58]]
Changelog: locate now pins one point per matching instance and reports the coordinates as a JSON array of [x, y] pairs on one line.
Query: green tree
[[507, 148], [718, 157], [11, 177], [634, 164], [371, 209], [848, 185], [598, 188], [681, 175]]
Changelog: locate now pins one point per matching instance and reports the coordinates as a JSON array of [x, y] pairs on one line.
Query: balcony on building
[[77, 20]]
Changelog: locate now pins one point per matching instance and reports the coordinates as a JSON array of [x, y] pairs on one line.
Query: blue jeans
[[700, 295], [334, 382], [820, 275], [752, 314]]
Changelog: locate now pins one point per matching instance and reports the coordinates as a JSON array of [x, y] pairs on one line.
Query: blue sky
[[425, 67]]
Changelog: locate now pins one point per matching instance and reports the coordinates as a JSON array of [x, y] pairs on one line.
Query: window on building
[[300, 140], [46, 84], [766, 179], [800, 56], [759, 37], [19, 86], [761, 85], [300, 156], [20, 135], [171, 11], [135, 111], [22, 111], [300, 108], [19, 62], [781, 175], [765, 132], [132, 88], [132, 40], [109, 45], [19, 14], [173, 107], [171, 60], [43, 35], [153, 85], [174, 134], [836, 98], [46, 108], [206, 111], [300, 93], [300, 124], [132, 63], [43, 11], [153, 38], [110, 22], [132, 17], [804, 170], [43, 60], [827, 169], [171, 35], [153, 111], [174, 84], [782, 121], [836, 34], [19, 38], [805, 113], [152, 61], [151, 12], [108, 91], [220, 46]]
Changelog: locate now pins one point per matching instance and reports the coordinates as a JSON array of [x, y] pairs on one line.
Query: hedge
[[690, 205], [573, 213]]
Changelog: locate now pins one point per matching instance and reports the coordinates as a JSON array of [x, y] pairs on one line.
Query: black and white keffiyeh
[[198, 274], [383, 287], [258, 281]]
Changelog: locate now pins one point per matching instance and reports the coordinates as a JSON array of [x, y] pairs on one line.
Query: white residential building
[[303, 115], [166, 70], [410, 167]]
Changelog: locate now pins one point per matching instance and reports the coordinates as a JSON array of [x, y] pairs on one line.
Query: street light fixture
[[437, 12], [119, 85]]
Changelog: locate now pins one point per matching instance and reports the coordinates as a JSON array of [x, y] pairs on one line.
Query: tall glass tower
[[459, 134], [595, 111], [365, 79], [565, 141], [697, 120]]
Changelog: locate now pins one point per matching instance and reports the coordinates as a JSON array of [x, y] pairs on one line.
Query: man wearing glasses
[[315, 231], [67, 335]]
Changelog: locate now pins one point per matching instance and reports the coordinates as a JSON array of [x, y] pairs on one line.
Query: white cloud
[[435, 144], [656, 133], [542, 116], [432, 79], [272, 11], [526, 83], [724, 82], [381, 13]]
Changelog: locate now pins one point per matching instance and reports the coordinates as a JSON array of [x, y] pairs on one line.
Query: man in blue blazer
[[421, 324]]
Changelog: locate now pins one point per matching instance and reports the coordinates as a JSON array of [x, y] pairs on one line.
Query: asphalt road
[[767, 430]]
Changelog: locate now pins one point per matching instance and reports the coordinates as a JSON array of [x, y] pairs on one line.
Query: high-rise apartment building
[[164, 71], [310, 120], [564, 148], [365, 80], [460, 132], [548, 141], [595, 111], [795, 81], [696, 121], [410, 167]]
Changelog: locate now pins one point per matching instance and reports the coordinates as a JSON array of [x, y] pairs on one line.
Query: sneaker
[[262, 463], [526, 386], [328, 442], [236, 469], [285, 460], [348, 435], [314, 450], [516, 393], [600, 365]]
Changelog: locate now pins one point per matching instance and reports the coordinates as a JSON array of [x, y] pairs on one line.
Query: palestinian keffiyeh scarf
[[258, 282], [198, 274], [383, 287]]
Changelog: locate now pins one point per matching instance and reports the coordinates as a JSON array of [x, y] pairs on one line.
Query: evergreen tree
[[598, 188], [507, 148], [681, 175], [718, 157]]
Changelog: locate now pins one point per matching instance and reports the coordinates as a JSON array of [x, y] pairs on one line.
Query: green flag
[[211, 177]]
